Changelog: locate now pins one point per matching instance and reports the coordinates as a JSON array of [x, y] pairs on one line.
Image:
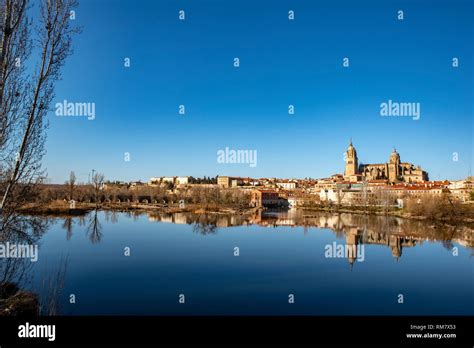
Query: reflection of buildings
[[183, 218], [392, 236], [394, 233], [391, 232], [352, 243]]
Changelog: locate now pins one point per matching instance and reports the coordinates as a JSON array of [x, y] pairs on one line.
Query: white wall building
[[328, 195], [461, 189], [287, 185]]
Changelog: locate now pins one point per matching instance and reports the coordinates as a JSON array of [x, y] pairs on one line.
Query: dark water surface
[[280, 253]]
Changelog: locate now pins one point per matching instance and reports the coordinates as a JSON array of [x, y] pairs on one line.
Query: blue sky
[[282, 62]]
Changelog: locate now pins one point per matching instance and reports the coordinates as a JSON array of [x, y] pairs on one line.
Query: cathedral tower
[[394, 166], [351, 161]]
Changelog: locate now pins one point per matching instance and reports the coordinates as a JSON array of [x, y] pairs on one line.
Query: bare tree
[[25, 99], [340, 193], [71, 184], [14, 49], [98, 183]]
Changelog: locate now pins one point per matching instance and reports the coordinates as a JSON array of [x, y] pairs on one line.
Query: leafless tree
[[340, 193], [14, 49], [98, 183], [71, 184], [24, 96]]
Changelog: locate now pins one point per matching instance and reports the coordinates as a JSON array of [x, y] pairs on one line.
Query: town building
[[462, 189], [378, 193], [416, 190], [287, 185], [135, 184], [348, 193], [229, 181], [175, 180], [265, 198], [325, 184]]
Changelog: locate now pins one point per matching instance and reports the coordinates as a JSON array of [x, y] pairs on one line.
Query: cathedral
[[394, 171]]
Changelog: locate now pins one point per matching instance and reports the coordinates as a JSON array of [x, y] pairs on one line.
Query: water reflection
[[287, 254], [392, 232], [19, 232], [94, 228]]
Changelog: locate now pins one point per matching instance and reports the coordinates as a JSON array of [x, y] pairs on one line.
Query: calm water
[[281, 253]]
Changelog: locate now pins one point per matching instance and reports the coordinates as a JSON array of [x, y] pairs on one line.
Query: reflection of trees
[[18, 229], [53, 287], [111, 216], [67, 225], [94, 229], [374, 228], [205, 224], [204, 228], [15, 272], [26, 229], [93, 226]]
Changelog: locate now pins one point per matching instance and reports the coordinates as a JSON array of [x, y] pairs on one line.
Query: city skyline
[[282, 62], [341, 172]]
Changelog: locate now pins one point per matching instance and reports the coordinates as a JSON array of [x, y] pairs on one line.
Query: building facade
[[265, 198], [393, 171], [175, 180], [287, 185], [229, 181], [462, 189]]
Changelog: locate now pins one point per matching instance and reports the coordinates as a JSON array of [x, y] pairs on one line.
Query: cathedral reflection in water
[[357, 229]]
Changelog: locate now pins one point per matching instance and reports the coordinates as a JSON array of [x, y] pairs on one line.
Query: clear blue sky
[[282, 62]]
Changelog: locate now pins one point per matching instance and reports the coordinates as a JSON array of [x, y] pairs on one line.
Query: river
[[291, 262]]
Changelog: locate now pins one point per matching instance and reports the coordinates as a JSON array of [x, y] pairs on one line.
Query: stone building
[[393, 171], [228, 181], [266, 198]]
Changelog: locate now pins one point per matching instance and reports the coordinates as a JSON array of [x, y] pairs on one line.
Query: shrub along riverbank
[[426, 209]]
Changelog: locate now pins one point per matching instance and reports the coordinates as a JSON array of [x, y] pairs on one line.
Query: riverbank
[[16, 302], [464, 214]]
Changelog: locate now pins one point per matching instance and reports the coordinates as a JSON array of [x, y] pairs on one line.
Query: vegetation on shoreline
[[62, 208], [433, 208], [430, 210], [14, 301], [72, 199]]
